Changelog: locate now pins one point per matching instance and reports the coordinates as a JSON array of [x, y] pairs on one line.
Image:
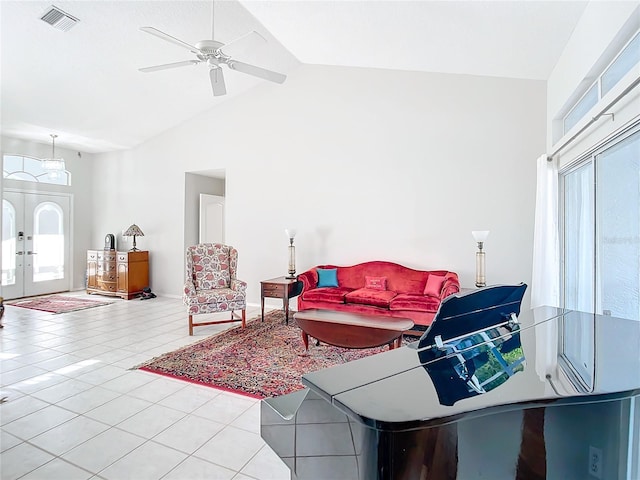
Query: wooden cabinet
[[106, 274], [280, 287], [122, 274]]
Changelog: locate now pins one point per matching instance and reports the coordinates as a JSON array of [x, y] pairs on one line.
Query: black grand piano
[[488, 392]]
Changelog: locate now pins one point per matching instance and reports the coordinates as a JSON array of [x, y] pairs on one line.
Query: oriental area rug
[[57, 303], [266, 359]]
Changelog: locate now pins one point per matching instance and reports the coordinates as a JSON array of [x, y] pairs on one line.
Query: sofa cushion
[[375, 283], [416, 303], [366, 296], [434, 285], [327, 277], [330, 294]]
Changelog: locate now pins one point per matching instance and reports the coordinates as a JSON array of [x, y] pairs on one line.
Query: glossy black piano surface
[[529, 395]]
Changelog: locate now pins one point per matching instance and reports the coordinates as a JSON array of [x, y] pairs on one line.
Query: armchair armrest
[[309, 280], [189, 289], [238, 285]]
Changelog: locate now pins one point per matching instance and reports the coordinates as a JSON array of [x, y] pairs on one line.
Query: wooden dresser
[[122, 274]]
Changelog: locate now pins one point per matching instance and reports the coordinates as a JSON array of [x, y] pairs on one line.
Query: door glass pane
[[576, 353], [578, 239], [48, 242], [618, 232], [8, 243]]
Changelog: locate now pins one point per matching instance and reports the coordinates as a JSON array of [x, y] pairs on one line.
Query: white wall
[[81, 191], [366, 164]]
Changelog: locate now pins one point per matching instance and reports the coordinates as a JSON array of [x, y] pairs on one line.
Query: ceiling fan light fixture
[[208, 47]]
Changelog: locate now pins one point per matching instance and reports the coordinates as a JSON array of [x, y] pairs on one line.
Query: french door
[[35, 244]]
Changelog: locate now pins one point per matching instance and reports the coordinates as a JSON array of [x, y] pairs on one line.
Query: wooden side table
[[280, 287]]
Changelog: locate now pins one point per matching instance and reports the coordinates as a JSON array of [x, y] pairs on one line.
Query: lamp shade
[[480, 235], [291, 232], [133, 231]]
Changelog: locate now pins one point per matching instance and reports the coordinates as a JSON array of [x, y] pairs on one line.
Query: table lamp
[[291, 234], [480, 236], [133, 231]]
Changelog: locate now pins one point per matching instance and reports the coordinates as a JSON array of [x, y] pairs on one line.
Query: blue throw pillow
[[327, 277]]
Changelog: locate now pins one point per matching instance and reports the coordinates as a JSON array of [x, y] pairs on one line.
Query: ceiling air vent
[[59, 19]]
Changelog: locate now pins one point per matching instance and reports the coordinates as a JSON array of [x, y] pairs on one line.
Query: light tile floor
[[75, 410]]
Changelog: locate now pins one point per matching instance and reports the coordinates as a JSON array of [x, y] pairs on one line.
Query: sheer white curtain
[[545, 284]]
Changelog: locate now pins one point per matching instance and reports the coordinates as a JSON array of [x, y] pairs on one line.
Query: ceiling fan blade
[[243, 44], [169, 65], [169, 38], [217, 82], [256, 71]]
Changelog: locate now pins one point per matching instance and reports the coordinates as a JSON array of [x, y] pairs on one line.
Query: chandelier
[[55, 166]]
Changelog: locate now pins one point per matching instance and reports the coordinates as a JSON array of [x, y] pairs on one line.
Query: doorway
[[35, 243], [205, 207], [211, 218]]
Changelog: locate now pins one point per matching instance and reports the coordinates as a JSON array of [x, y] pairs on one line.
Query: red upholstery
[[328, 294], [417, 303], [404, 296], [367, 296]]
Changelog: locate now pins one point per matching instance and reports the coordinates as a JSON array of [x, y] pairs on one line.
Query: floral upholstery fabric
[[210, 265], [210, 280]]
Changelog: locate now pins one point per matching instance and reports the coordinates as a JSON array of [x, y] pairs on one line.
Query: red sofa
[[380, 288]]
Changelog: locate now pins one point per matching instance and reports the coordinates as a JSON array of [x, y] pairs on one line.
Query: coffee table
[[351, 330]]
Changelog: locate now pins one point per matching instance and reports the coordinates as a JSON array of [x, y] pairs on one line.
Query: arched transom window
[[29, 169]]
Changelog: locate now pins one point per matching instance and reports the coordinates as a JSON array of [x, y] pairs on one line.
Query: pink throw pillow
[[434, 285], [375, 283]]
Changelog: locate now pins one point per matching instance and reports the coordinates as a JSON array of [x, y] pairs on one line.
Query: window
[[627, 59], [601, 230], [29, 169], [586, 103], [608, 77]]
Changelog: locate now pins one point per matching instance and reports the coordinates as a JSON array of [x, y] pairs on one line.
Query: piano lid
[[476, 335], [475, 364], [478, 310], [405, 388]]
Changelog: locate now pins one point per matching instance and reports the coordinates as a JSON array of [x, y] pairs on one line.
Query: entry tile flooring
[[73, 409]]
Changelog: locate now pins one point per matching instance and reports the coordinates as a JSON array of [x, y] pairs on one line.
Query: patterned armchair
[[211, 285]]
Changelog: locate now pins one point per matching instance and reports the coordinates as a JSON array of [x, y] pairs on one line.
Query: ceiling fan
[[216, 54]]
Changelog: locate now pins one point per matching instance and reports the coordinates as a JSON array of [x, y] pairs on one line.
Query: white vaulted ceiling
[[84, 84]]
